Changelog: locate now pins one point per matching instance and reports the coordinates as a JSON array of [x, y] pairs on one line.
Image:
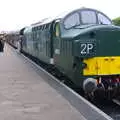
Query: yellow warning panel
[[115, 65], [102, 66], [91, 66]]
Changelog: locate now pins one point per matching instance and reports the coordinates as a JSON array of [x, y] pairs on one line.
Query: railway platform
[[26, 93]]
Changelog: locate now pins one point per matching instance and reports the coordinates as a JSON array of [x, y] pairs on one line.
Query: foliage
[[116, 21]]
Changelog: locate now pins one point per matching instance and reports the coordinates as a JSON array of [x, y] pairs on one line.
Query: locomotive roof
[[63, 15], [44, 21]]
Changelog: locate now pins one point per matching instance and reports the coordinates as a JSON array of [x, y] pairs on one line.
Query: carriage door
[[56, 41]]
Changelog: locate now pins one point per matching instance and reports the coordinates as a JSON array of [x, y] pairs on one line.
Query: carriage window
[[103, 19], [72, 20], [88, 17]]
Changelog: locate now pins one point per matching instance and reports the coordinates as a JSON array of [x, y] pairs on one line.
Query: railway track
[[116, 110], [116, 101], [111, 108]]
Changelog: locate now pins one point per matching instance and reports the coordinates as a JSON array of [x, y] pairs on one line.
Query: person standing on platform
[[19, 44], [1, 45]]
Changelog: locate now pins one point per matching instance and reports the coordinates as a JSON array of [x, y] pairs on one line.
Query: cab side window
[[72, 20], [57, 30], [103, 19]]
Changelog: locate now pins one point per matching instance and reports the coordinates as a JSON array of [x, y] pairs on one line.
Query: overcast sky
[[15, 14]]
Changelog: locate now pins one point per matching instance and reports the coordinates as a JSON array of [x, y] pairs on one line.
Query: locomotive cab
[[84, 50]]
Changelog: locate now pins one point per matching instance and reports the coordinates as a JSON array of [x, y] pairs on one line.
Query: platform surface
[[24, 95]]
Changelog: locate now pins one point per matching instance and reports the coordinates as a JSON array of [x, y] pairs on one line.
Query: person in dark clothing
[[19, 43], [1, 45]]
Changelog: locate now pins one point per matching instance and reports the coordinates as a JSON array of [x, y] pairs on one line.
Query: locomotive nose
[[108, 42], [105, 60]]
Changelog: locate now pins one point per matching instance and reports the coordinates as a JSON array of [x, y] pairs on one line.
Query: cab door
[[56, 38], [56, 41]]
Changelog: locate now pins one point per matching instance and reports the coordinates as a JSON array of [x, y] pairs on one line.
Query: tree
[[116, 21]]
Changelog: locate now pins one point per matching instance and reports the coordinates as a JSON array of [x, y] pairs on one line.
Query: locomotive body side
[[38, 42]]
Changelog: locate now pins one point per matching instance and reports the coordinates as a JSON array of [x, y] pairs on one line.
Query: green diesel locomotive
[[83, 44]]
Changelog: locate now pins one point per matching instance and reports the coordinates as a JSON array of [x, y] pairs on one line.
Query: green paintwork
[[38, 43]]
